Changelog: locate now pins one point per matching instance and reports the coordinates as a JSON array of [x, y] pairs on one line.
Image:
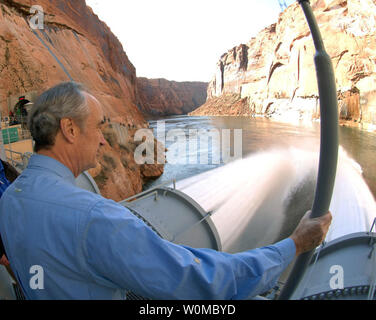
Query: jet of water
[[254, 199]]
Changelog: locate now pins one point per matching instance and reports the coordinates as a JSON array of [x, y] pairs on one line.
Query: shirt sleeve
[[121, 251]]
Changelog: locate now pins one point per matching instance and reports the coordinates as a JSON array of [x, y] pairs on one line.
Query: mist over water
[[259, 199]]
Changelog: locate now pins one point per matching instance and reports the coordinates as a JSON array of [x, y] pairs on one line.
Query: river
[[263, 192]]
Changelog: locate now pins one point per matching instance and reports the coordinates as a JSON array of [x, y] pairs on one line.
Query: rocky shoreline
[[273, 75]]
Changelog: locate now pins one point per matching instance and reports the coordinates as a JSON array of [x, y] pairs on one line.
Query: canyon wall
[[274, 75], [73, 44], [161, 97]]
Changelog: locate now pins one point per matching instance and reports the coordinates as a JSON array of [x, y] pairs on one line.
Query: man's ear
[[69, 129]]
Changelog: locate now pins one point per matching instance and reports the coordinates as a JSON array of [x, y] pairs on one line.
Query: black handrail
[[328, 143]]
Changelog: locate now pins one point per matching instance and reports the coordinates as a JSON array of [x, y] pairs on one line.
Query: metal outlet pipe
[[328, 142]]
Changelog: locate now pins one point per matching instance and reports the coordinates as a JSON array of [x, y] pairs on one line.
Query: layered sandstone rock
[[227, 104], [275, 70], [162, 97], [117, 174], [73, 45]]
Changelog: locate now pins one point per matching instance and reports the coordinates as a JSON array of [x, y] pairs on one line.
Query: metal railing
[[149, 192], [25, 157], [17, 159]]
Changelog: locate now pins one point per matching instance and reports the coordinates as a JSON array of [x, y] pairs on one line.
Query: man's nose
[[102, 140]]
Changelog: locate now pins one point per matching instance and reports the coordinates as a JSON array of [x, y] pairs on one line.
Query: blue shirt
[[64, 242]]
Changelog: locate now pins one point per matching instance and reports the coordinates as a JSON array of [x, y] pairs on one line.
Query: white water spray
[[353, 205], [249, 197]]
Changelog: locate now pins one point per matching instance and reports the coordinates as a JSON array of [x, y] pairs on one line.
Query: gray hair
[[66, 100]]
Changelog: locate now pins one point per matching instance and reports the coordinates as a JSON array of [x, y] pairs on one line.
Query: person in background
[[7, 175], [20, 110], [89, 247]]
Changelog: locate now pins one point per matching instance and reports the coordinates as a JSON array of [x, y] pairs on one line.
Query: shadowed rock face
[[74, 45], [163, 97], [275, 70]]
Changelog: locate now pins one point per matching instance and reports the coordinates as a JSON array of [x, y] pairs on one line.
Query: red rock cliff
[[274, 74], [75, 44], [163, 97]]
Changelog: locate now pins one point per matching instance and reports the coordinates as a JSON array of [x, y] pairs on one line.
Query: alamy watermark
[[337, 280], [36, 281], [36, 20], [191, 146]]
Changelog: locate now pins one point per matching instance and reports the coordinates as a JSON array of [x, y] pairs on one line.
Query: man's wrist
[[297, 246]]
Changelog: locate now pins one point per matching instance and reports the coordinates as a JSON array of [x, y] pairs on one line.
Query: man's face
[[91, 137]]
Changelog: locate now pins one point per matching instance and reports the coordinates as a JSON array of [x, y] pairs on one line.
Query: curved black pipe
[[328, 142]]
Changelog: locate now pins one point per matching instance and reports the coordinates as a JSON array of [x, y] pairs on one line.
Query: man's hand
[[310, 232]]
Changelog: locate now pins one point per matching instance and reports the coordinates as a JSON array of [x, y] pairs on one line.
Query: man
[[20, 109], [67, 243], [22, 101]]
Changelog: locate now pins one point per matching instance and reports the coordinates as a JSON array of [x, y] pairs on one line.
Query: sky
[[183, 40]]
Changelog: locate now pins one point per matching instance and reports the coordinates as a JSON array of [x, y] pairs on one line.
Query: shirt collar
[[45, 162]]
